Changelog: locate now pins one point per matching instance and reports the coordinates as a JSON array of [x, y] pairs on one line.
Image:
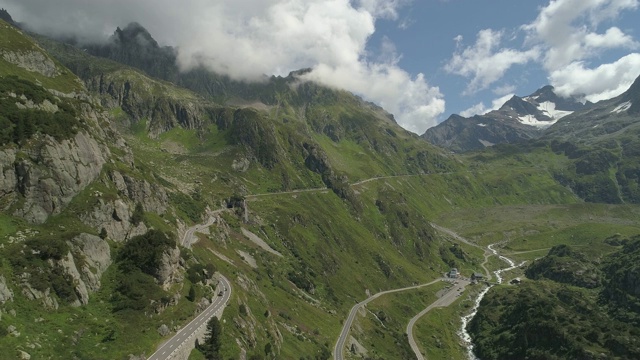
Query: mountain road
[[187, 335], [447, 299], [346, 327]]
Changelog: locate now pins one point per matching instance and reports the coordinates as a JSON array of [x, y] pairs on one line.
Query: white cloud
[[477, 109], [414, 102], [249, 38], [600, 83], [566, 37], [383, 8], [504, 89], [497, 103], [481, 109], [612, 38], [568, 29], [486, 62]]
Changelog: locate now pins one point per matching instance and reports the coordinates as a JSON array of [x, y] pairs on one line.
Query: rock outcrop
[[80, 288], [136, 97], [5, 293], [115, 217], [86, 274], [152, 197], [168, 271], [97, 258], [32, 60], [48, 300], [48, 173]]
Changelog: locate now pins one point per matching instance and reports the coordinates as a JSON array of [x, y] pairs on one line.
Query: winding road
[[187, 335], [447, 299], [346, 327], [188, 238]]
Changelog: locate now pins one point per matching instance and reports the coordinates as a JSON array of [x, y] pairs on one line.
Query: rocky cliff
[[46, 174], [141, 98]]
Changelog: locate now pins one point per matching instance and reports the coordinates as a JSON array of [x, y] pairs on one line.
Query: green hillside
[[564, 318], [342, 195]]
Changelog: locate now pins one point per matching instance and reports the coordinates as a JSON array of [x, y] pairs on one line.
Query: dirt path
[[258, 241]]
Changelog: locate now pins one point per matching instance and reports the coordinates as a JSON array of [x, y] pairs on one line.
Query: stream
[[464, 334]]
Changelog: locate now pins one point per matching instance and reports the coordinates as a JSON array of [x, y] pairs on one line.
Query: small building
[[477, 276], [453, 273], [515, 281]]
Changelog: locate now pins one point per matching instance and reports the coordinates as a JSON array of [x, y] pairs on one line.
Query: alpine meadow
[[154, 209]]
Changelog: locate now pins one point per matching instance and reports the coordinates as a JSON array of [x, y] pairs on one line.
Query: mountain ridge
[[518, 119], [326, 180]]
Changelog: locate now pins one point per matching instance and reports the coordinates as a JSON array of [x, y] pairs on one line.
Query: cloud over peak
[[247, 39], [563, 39]]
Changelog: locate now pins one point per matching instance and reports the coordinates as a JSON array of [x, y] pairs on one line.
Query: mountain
[[128, 187], [105, 168], [4, 15], [517, 120], [606, 119]]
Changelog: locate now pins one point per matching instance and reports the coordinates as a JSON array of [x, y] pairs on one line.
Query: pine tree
[[138, 214], [212, 340], [192, 294]]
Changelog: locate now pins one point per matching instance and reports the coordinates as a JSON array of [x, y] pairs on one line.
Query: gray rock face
[[138, 100], [152, 197], [49, 174], [163, 330], [114, 216], [168, 272], [86, 275], [97, 258], [241, 165], [48, 301], [46, 105], [69, 266], [33, 60], [8, 176], [5, 293]]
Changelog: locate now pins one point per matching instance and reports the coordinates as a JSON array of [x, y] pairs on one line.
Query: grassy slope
[[342, 251], [383, 325], [13, 40]]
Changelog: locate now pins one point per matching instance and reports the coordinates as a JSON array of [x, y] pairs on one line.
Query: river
[[464, 334]]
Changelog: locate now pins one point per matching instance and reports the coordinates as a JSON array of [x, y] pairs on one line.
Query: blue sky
[[422, 60], [424, 34]]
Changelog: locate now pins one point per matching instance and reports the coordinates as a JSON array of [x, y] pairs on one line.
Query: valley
[[133, 194]]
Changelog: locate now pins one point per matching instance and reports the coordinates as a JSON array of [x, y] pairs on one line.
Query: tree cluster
[[18, 125]]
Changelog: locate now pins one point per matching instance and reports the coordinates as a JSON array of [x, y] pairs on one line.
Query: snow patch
[[482, 125], [549, 108], [622, 107], [486, 143], [532, 121]]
